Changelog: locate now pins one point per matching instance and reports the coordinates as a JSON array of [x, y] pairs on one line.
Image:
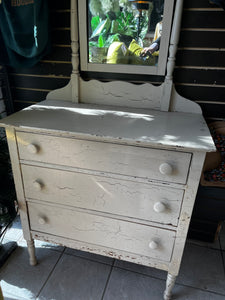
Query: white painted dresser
[[117, 182], [111, 180]]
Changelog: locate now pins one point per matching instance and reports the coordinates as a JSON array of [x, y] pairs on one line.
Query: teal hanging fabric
[[24, 34]]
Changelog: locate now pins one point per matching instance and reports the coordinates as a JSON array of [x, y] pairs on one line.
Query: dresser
[[113, 181]]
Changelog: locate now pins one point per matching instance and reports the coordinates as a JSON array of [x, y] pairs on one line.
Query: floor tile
[[14, 297], [140, 269], [20, 279], [214, 245], [76, 278], [202, 268], [14, 233], [91, 256], [186, 293], [126, 285]]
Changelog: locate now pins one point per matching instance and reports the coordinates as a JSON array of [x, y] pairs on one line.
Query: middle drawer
[[121, 197]]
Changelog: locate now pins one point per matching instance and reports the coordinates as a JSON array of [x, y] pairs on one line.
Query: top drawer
[[170, 166]]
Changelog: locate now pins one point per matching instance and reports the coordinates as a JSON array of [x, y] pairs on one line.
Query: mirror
[[125, 36]]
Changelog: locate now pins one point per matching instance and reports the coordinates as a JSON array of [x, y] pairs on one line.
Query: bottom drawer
[[115, 234]]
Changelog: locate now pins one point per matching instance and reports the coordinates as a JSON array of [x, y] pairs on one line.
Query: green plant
[[124, 24]]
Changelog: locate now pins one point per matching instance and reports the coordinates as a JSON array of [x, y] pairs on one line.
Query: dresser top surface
[[126, 125]]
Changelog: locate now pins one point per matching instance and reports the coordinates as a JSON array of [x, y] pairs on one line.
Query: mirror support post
[[174, 39], [75, 50]]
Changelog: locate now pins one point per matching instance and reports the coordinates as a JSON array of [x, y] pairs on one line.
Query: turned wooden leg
[[169, 286], [31, 251]]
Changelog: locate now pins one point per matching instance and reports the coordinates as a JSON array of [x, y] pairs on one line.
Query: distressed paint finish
[[13, 150], [163, 97], [129, 197], [121, 94], [101, 230], [119, 180], [148, 128], [105, 157], [186, 210], [125, 198], [169, 286]]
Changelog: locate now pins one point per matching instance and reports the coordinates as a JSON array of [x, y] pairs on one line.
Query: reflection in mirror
[[124, 31]]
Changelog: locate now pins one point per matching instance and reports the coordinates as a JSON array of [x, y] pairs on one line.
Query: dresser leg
[[31, 251], [169, 286]]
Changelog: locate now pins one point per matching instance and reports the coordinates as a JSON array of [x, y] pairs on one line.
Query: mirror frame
[[160, 69]]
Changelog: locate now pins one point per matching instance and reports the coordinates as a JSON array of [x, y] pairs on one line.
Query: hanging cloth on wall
[[24, 34], [220, 3]]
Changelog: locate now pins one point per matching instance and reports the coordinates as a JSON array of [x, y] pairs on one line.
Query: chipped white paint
[[105, 157], [151, 128], [111, 233], [169, 286], [31, 251], [12, 144], [115, 180], [108, 195], [122, 93], [99, 184]]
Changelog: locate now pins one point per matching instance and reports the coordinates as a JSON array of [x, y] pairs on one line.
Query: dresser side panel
[[186, 210], [14, 157]]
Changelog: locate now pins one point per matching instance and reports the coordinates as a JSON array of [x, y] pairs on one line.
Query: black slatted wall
[[200, 66]]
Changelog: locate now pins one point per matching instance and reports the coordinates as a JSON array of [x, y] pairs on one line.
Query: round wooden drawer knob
[[37, 185], [42, 221], [33, 149], [159, 207], [165, 169], [153, 245]]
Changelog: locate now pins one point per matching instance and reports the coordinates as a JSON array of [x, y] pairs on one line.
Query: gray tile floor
[[67, 274]]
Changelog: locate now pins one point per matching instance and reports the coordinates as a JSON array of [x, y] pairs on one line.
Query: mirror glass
[[125, 35], [124, 31]]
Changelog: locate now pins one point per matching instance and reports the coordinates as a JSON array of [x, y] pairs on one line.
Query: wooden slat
[[199, 76], [59, 54], [28, 95], [200, 58], [204, 39], [40, 82], [213, 110], [203, 19], [45, 68], [60, 19], [60, 36], [202, 93]]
